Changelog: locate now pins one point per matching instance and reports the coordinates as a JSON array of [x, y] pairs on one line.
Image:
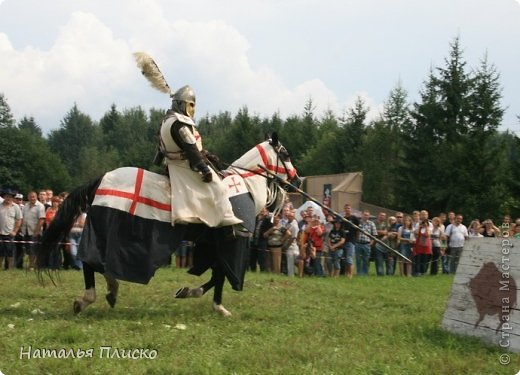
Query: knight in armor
[[198, 194]]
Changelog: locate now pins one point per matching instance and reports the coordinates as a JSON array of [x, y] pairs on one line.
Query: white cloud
[[85, 64], [5, 44], [88, 65], [233, 53]]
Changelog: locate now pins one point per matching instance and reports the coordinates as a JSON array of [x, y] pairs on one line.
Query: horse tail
[[76, 202]]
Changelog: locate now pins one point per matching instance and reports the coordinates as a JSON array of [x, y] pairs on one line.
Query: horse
[[128, 232]]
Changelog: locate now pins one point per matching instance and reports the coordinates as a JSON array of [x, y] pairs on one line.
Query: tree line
[[442, 152]]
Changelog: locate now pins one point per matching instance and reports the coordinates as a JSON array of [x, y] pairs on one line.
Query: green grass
[[280, 325]]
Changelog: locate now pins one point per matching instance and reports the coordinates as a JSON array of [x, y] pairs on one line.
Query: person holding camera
[[276, 235], [315, 232], [258, 253], [336, 240], [290, 246], [423, 246]]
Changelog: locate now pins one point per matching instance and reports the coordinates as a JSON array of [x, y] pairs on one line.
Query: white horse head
[[272, 156]]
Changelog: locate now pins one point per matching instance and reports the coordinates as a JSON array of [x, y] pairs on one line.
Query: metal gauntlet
[[206, 172]]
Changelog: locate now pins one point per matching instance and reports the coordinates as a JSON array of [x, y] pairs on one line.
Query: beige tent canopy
[[340, 188]]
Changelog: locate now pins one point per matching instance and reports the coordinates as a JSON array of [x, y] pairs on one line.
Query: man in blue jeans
[[336, 241], [364, 244], [351, 235]]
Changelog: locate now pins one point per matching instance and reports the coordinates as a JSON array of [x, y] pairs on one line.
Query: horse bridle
[[280, 149], [295, 180]]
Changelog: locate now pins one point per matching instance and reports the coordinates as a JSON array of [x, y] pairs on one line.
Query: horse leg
[[218, 278], [112, 288], [186, 292], [89, 297]]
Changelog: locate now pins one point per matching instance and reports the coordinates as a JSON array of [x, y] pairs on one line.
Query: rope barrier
[[324, 256], [33, 242]]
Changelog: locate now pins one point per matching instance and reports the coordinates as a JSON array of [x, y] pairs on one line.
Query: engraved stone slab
[[483, 300]]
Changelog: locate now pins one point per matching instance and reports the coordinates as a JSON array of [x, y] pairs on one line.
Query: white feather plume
[[152, 72]]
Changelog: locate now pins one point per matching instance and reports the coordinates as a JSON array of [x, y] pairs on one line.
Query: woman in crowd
[[55, 256], [423, 246], [490, 230], [315, 232], [405, 239], [437, 235], [328, 226], [74, 238], [307, 250], [51, 211], [475, 228]]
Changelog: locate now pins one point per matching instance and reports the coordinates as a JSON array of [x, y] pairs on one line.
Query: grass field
[[280, 325]]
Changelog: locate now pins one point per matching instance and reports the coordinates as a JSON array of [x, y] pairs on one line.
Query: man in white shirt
[[10, 221], [292, 250], [19, 245], [33, 220], [457, 234]]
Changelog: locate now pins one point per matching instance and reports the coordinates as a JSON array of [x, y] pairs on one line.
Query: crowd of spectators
[[315, 244], [22, 222], [407, 245]]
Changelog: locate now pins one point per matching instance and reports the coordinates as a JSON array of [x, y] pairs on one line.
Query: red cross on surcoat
[[235, 184], [136, 196]]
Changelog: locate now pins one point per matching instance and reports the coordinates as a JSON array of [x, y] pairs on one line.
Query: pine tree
[[76, 132], [451, 162], [351, 136], [28, 124], [485, 172], [6, 117], [383, 152]]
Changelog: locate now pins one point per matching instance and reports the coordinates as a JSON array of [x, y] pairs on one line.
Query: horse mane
[[275, 197], [76, 203]]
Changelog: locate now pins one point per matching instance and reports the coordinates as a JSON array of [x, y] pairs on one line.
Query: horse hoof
[[195, 293], [221, 310], [77, 307], [111, 299], [182, 292]]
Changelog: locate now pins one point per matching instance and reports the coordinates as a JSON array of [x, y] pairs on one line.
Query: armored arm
[[183, 136], [213, 159]]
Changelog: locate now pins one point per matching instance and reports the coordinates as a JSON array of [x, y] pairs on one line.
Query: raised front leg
[[89, 297], [218, 279], [80, 304], [112, 288]]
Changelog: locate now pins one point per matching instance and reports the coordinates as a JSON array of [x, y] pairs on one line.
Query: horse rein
[[256, 172], [277, 193]]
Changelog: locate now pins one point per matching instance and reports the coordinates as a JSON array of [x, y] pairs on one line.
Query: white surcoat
[[193, 200]]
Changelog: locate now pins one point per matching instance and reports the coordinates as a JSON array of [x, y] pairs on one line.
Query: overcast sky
[[268, 55]]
